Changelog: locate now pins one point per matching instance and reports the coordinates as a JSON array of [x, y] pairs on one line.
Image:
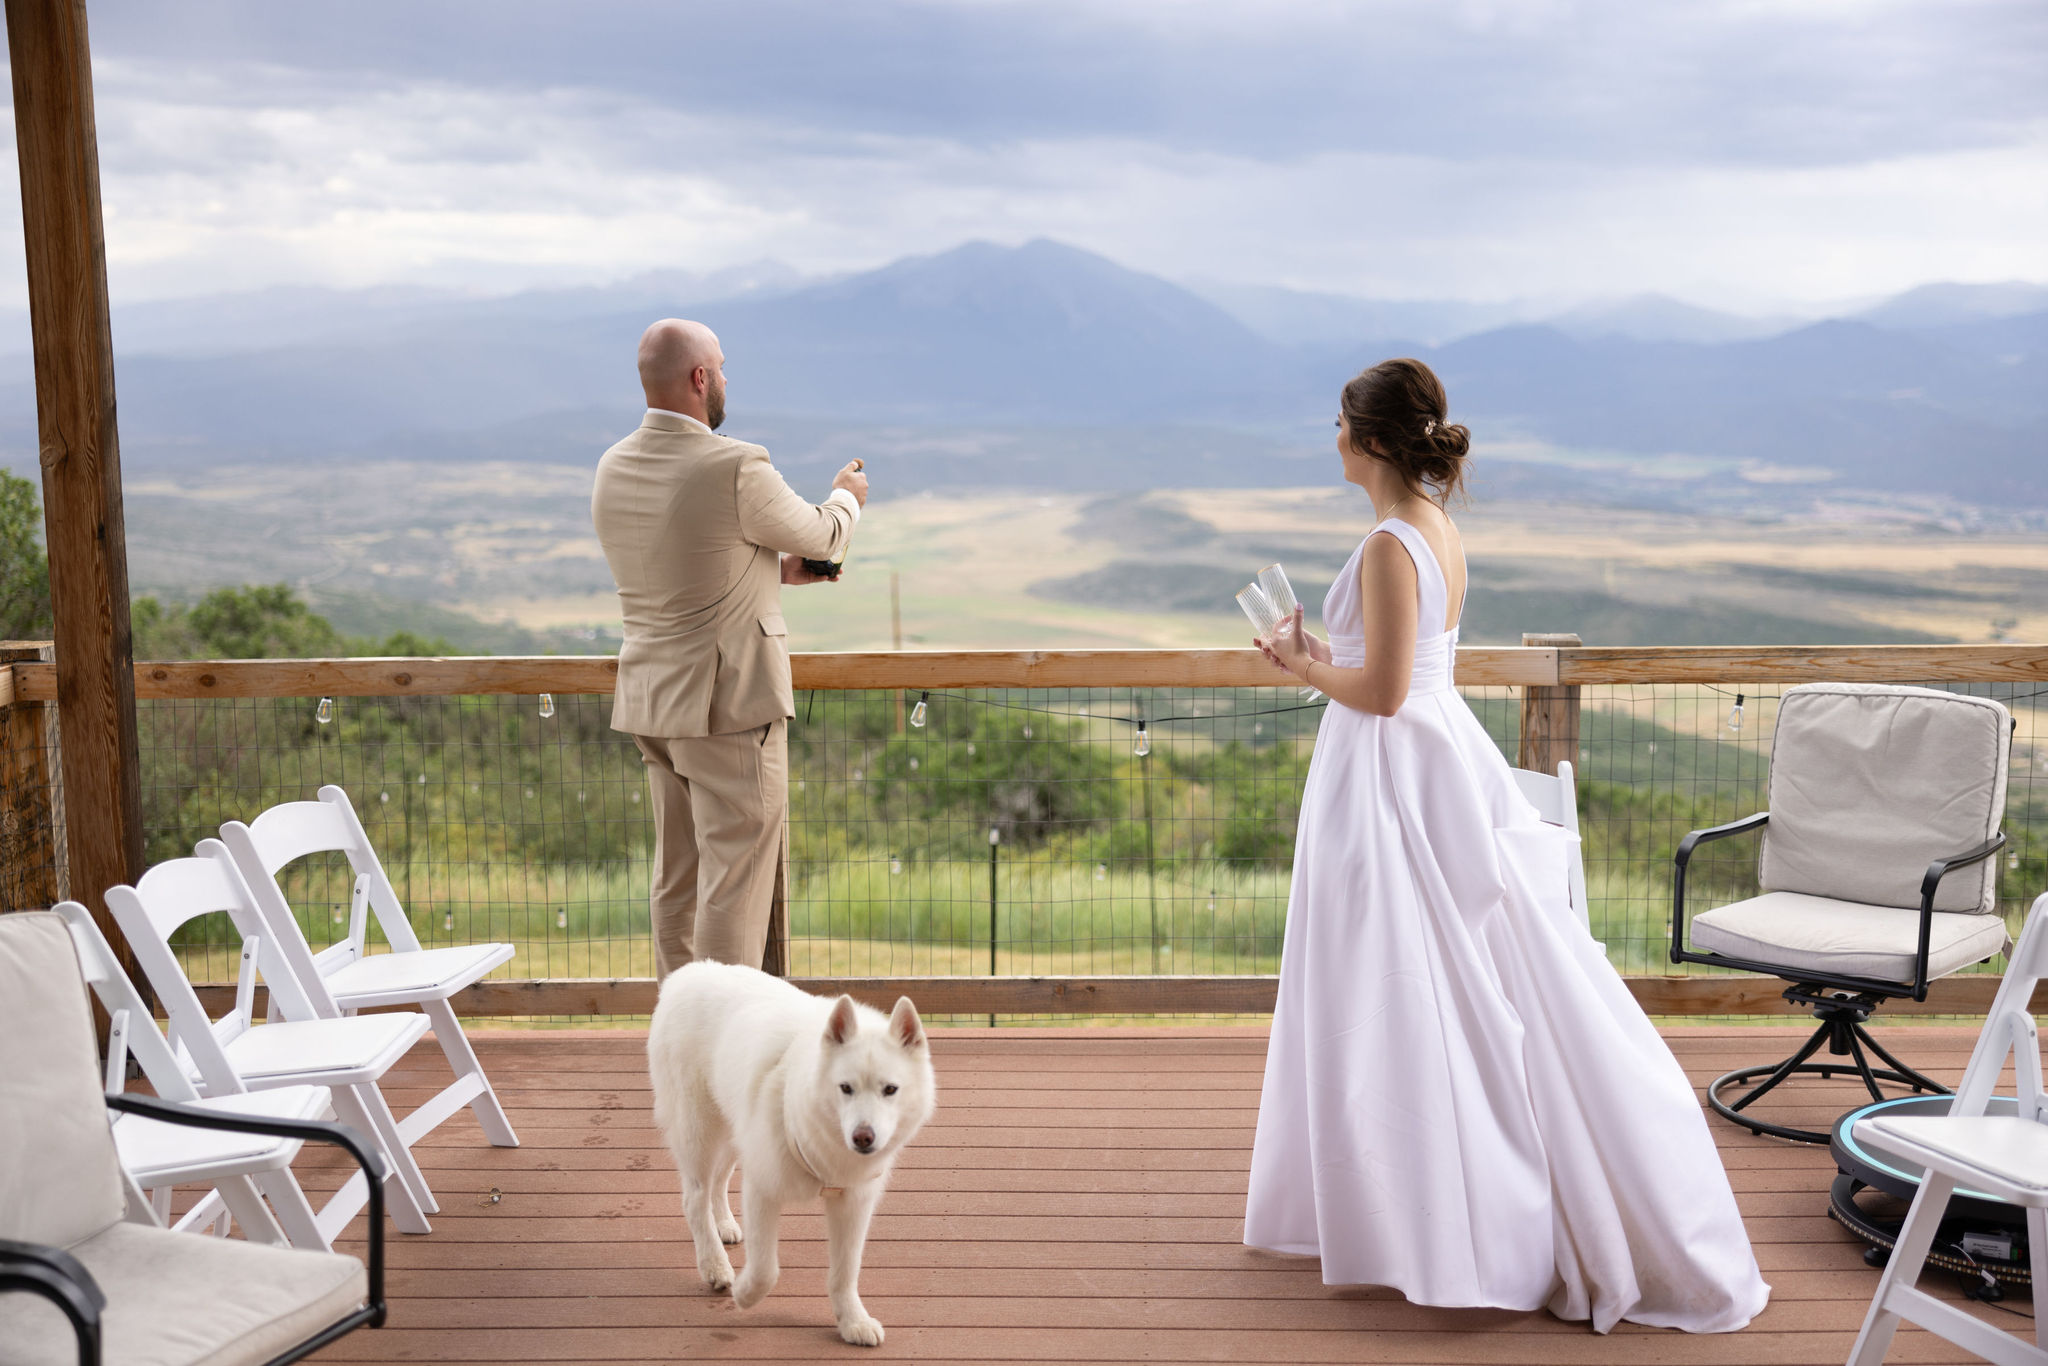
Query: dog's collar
[[796, 1146]]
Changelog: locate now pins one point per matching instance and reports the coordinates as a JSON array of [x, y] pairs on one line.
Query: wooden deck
[[1078, 1198]]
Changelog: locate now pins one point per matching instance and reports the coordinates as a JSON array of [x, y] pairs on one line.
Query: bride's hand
[[1290, 648]]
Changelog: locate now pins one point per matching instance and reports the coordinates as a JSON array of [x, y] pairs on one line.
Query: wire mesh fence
[[960, 832]]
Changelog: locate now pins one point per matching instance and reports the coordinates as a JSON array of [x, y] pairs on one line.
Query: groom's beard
[[714, 408]]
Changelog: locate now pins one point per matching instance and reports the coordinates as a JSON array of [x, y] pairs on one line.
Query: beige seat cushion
[[1804, 933], [184, 1299], [1872, 782], [60, 1181]]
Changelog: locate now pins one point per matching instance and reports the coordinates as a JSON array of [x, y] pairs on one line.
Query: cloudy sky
[[1760, 154]]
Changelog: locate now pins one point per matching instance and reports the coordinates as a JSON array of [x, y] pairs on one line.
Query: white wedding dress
[[1462, 1100]]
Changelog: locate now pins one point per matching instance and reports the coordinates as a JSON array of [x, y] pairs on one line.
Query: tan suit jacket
[[692, 524]]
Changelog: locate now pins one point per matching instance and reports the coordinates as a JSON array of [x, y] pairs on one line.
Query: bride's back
[[1448, 545]]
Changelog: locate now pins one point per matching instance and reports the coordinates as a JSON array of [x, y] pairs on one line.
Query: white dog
[[807, 1096]]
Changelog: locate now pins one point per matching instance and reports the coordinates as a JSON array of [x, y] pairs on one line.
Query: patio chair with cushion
[[78, 1281], [346, 977], [1875, 871], [2004, 1156]]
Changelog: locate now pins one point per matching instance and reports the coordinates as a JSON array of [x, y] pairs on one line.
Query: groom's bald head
[[682, 369]]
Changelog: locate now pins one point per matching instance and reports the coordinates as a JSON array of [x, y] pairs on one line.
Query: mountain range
[[1047, 365]]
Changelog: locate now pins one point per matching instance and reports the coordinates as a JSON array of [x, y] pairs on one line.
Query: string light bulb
[[1101, 871], [448, 920], [917, 713], [547, 706], [1142, 746], [562, 918], [2012, 856], [325, 711], [1735, 715], [895, 864]]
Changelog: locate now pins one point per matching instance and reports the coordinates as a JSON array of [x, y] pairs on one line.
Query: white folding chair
[[242, 1168], [345, 977], [2003, 1156], [1556, 799], [235, 1054]]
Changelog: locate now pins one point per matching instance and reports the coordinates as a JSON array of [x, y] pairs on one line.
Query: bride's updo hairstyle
[[1399, 406]]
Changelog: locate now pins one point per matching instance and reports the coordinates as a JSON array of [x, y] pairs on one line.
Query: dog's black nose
[[864, 1139]]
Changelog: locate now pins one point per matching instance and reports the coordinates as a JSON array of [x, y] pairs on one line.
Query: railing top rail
[[1511, 666]]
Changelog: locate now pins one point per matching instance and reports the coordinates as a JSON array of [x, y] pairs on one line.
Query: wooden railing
[[1549, 670]]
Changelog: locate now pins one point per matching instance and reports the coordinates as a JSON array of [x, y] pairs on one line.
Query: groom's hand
[[853, 481], [794, 573]]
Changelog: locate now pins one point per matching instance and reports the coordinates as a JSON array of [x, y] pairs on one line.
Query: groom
[[700, 533]]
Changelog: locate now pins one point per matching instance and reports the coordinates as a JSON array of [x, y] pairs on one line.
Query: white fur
[[748, 1071]]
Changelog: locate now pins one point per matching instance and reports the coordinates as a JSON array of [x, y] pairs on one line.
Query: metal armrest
[[1683, 857], [313, 1131], [1942, 867], [57, 1277], [1936, 871]]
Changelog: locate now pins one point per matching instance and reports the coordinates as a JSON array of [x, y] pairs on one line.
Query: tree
[[256, 621], [24, 568], [261, 621]]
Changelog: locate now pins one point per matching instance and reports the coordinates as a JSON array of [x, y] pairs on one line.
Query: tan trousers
[[719, 803]]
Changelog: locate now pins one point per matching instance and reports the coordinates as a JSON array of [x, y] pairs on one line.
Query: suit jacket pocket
[[774, 626]]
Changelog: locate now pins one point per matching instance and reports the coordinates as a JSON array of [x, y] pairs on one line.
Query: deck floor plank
[[1078, 1198]]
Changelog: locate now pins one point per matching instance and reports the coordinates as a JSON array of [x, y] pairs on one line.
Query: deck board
[[1078, 1198]]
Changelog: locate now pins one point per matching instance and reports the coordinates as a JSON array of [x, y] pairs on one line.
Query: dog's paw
[[716, 1273], [750, 1289], [728, 1230], [863, 1330]]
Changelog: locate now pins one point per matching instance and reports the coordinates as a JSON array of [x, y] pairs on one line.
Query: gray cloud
[[1739, 154], [1571, 80]]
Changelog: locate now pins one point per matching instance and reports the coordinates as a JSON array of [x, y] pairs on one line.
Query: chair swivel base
[[1841, 1028]]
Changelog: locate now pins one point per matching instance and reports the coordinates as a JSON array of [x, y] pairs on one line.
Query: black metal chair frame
[[57, 1276], [1841, 1002]]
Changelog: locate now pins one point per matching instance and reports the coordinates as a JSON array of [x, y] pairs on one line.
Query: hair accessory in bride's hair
[[1429, 427]]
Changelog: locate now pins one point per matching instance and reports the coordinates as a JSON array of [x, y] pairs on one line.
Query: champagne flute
[[1273, 580], [1264, 615]]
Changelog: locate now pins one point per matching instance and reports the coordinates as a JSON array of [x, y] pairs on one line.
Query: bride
[[1462, 1101]]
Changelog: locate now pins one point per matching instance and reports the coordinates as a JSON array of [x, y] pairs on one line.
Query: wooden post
[[1550, 715], [31, 795], [84, 529]]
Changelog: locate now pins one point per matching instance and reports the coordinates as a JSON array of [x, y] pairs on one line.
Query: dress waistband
[[1434, 660]]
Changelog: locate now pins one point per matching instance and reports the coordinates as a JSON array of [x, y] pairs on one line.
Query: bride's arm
[[1387, 589]]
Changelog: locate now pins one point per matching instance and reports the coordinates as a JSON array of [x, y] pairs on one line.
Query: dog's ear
[[843, 1022], [904, 1025]]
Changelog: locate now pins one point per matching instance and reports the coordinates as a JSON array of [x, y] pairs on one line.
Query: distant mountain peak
[[1946, 303]]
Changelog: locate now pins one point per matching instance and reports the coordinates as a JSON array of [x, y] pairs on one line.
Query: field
[[501, 557], [500, 824]]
